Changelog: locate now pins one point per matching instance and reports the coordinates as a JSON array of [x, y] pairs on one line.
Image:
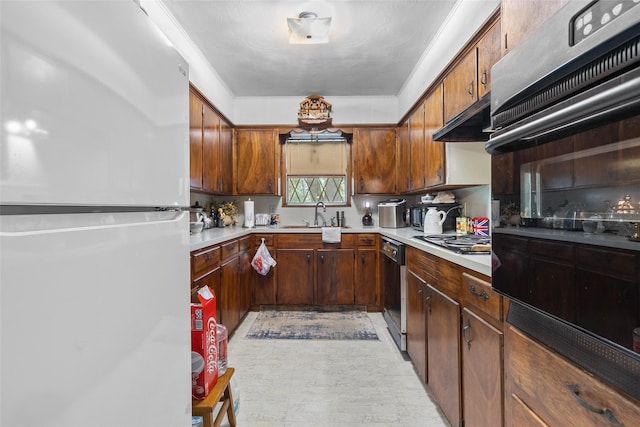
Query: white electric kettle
[[433, 221]]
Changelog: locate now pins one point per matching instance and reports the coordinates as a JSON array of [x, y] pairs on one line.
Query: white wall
[[465, 18]]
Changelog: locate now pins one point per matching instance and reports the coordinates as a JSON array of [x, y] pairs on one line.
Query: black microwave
[[566, 170]]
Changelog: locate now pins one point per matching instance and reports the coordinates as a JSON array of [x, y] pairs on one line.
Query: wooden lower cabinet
[[229, 295], [482, 346], [443, 349], [550, 390], [264, 287], [417, 324], [335, 277], [295, 281], [225, 268]]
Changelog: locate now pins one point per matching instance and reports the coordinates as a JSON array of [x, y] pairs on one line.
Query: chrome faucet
[[315, 216]]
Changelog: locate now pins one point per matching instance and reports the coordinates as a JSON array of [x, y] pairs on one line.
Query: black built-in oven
[[566, 162]]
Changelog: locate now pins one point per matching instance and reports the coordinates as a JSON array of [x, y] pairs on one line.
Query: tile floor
[[306, 383]]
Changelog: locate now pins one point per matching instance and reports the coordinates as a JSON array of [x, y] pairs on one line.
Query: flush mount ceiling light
[[307, 28]]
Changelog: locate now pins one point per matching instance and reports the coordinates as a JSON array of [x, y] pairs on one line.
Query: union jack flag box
[[481, 226]]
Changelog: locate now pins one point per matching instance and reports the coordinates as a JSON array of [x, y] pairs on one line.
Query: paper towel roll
[[249, 217]]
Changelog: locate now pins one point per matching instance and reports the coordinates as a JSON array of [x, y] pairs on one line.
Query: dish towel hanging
[[331, 234]]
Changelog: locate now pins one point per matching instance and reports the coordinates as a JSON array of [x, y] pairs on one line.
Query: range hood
[[472, 124]]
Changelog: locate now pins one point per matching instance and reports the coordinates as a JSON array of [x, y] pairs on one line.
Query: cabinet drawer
[[299, 240], [204, 260], [244, 244], [477, 292], [367, 240], [269, 239], [449, 278], [607, 260], [229, 249], [424, 265], [556, 390], [557, 251]]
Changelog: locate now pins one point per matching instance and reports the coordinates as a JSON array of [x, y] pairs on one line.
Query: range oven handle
[[616, 99]]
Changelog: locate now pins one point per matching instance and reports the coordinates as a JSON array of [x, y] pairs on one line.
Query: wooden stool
[[221, 392]]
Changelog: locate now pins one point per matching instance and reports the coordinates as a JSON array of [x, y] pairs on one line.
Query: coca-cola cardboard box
[[204, 344]]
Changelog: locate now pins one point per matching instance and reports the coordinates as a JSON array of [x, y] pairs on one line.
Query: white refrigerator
[[94, 246]]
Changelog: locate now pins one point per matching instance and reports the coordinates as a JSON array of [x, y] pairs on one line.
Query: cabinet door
[[230, 294], [520, 18], [366, 284], [295, 282], [403, 167], [256, 161], [211, 164], [443, 348], [434, 150], [488, 54], [245, 281], [335, 276], [212, 280], [225, 178], [460, 90], [374, 160], [196, 111], [417, 148], [481, 371], [416, 324]]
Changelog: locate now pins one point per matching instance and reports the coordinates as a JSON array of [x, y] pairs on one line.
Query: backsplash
[[476, 200]]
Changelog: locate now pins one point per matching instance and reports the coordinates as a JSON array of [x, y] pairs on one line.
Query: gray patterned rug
[[312, 325]]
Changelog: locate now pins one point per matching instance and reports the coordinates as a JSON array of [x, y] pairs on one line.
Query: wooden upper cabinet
[[225, 178], [460, 86], [488, 54], [520, 18], [434, 150], [211, 165], [209, 147], [256, 161], [403, 155], [196, 112], [374, 160], [470, 78], [417, 149]]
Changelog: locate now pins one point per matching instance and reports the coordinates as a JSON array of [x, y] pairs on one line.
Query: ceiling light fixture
[[307, 28]]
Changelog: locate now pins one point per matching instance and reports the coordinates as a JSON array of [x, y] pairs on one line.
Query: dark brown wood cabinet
[[264, 287], [403, 155], [374, 160], [225, 269], [335, 276], [443, 349], [543, 388], [417, 323], [434, 167], [520, 18], [256, 161], [470, 78], [460, 85], [367, 285], [417, 150], [295, 276], [210, 148]]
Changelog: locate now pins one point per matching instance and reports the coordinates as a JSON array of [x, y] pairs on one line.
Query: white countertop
[[477, 263]]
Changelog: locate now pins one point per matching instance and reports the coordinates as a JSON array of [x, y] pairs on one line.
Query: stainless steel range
[[394, 283]]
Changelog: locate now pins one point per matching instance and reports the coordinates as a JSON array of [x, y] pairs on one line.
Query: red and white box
[[204, 344]]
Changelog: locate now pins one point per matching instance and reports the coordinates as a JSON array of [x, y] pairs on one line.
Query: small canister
[[462, 225]]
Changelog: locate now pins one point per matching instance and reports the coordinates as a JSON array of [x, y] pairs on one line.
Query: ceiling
[[373, 44]]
